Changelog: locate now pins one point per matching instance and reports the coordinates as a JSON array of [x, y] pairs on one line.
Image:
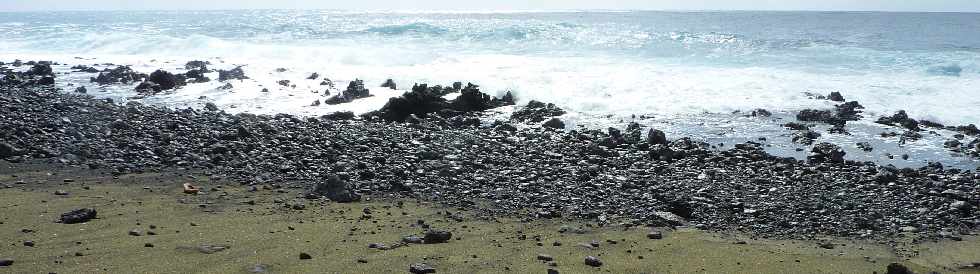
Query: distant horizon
[[938, 6], [486, 10]]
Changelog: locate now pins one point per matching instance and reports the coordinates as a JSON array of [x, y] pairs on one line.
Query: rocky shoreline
[[420, 145]]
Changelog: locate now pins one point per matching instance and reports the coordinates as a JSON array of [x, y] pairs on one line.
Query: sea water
[[686, 72]]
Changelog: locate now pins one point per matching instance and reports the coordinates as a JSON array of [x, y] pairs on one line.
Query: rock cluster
[[605, 175]]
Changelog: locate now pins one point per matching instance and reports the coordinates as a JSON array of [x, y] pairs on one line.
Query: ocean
[[686, 72]]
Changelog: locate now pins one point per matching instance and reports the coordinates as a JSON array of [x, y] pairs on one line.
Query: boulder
[[167, 80], [197, 65], [78, 216], [813, 115], [355, 90], [389, 84], [471, 99], [235, 73], [554, 123], [335, 189], [436, 236], [836, 97], [420, 101], [656, 137], [826, 153], [900, 119], [536, 112], [120, 74], [421, 268]]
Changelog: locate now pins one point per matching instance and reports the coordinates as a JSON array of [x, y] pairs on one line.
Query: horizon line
[[487, 11]]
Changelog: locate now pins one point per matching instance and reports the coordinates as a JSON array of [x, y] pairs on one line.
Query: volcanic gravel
[[605, 176]]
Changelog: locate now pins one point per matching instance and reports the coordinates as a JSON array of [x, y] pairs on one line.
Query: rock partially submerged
[[161, 80], [119, 75], [536, 112], [826, 153], [355, 90], [423, 100], [900, 119], [236, 73]]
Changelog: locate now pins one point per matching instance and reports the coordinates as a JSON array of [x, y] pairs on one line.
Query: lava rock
[[554, 123], [235, 73], [121, 74], [901, 119], [536, 112], [335, 189], [421, 268], [389, 84], [78, 216], [355, 90], [593, 261], [437, 236], [826, 153], [836, 97]]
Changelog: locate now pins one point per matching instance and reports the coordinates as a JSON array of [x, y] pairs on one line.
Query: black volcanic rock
[[78, 216], [900, 119], [120, 74], [536, 112], [389, 84], [235, 73], [355, 90], [826, 153], [471, 99]]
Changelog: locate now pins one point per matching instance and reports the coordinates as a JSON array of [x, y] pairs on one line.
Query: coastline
[[634, 177]]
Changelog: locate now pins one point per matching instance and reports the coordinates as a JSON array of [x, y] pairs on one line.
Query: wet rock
[[197, 65], [355, 90], [305, 256], [78, 216], [554, 123], [389, 84], [901, 119], [166, 80], [760, 113], [471, 99], [536, 112], [836, 97], [313, 76], [826, 153], [284, 83], [226, 86], [593, 261], [40, 70], [81, 89], [121, 74], [84, 68], [437, 236], [421, 268], [335, 189], [813, 115], [656, 137], [796, 126], [233, 74], [4, 262], [420, 101], [865, 146], [805, 137]]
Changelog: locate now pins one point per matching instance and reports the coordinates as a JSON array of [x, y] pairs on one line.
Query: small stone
[[305, 256], [362, 260], [412, 239], [61, 192], [421, 268], [135, 232], [655, 235], [827, 245], [148, 245], [552, 271], [593, 261], [29, 243], [6, 262], [545, 257]]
